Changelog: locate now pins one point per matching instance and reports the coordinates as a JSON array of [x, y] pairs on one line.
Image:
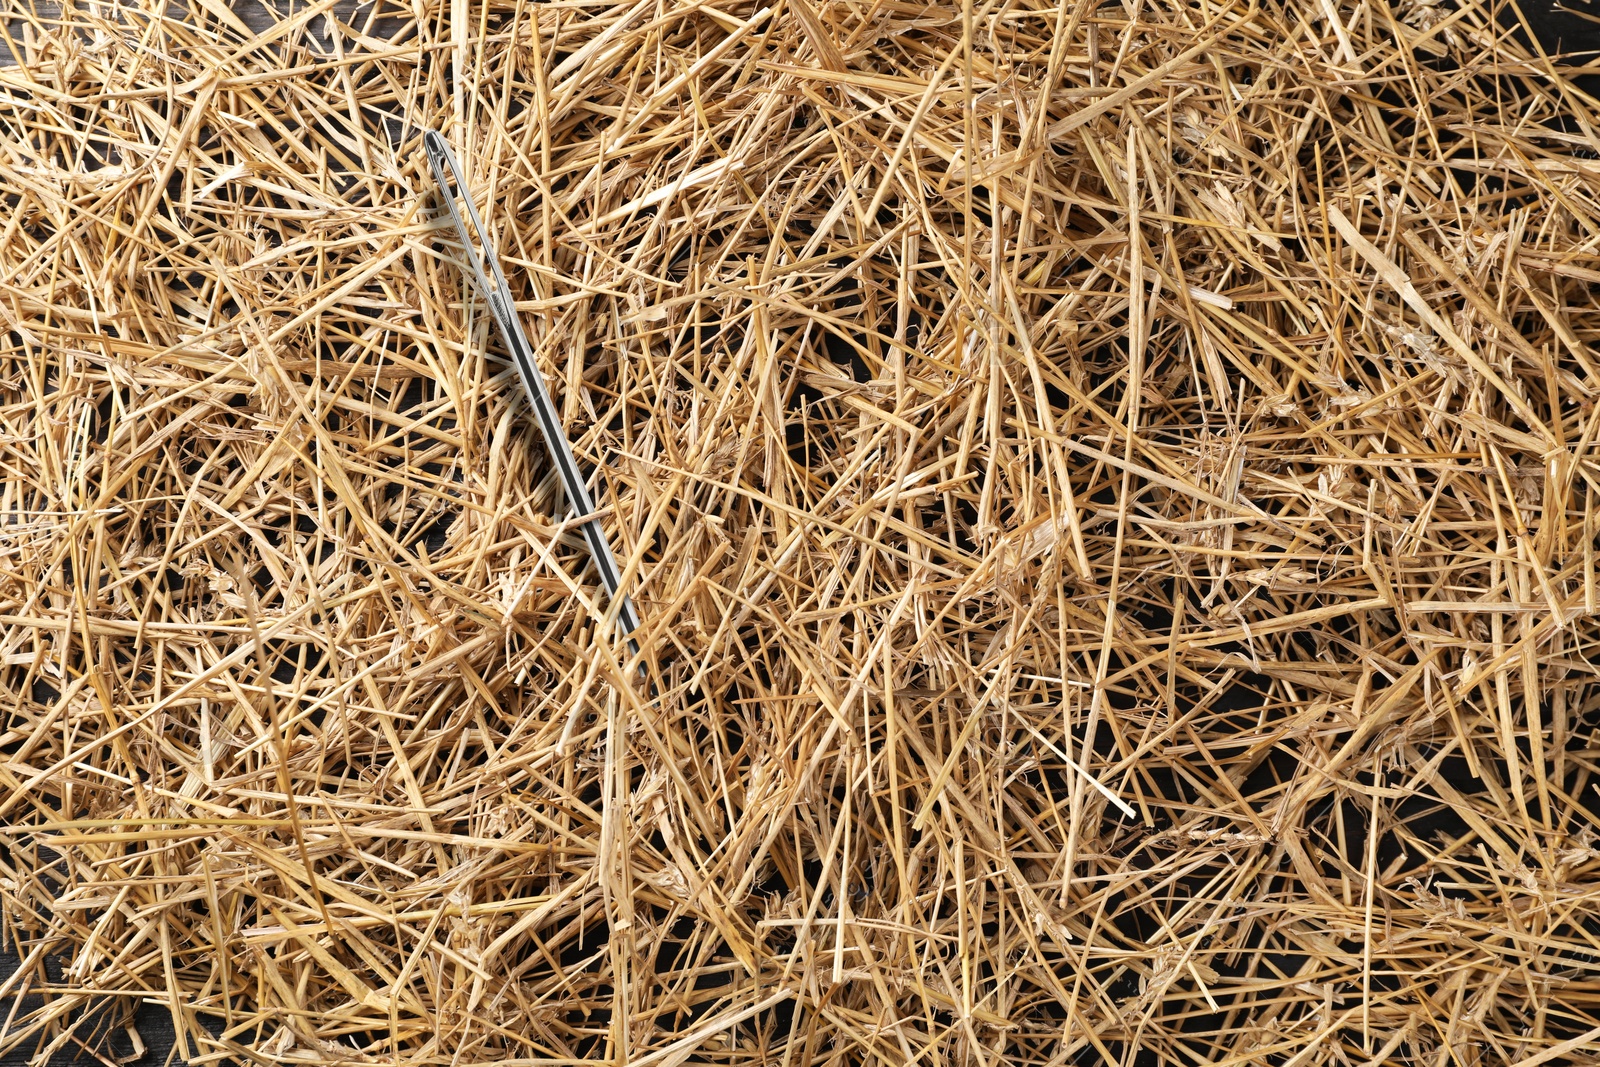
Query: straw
[[1009, 416]]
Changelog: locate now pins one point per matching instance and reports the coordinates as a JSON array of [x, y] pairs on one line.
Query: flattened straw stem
[[493, 285]]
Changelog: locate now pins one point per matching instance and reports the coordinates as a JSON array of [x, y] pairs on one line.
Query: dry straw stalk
[[1110, 491]]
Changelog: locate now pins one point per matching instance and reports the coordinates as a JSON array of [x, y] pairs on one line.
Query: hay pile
[[1110, 493]]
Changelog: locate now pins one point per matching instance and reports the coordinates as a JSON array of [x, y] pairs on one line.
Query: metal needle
[[493, 285]]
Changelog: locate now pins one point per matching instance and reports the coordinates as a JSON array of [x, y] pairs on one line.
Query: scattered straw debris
[[1109, 489]]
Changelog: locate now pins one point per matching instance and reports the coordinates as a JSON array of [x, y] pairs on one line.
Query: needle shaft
[[492, 283]]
